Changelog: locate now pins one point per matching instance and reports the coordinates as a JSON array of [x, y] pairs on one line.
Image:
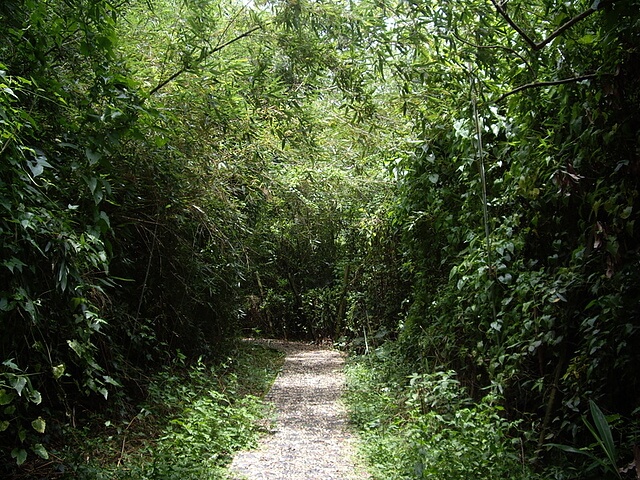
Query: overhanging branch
[[513, 24], [527, 86], [557, 32], [565, 26], [203, 56], [494, 47]]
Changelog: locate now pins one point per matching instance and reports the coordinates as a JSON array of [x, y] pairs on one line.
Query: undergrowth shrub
[[425, 426], [194, 418]]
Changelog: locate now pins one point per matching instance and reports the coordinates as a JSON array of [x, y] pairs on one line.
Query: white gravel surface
[[310, 439]]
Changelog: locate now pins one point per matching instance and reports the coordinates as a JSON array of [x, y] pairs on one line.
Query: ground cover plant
[[425, 426], [193, 418]]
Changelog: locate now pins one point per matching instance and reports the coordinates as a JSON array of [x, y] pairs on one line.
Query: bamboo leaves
[[601, 431]]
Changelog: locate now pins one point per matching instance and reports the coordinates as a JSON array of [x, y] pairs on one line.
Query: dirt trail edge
[[311, 439]]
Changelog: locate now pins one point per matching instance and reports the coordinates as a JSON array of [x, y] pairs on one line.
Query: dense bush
[[428, 426], [193, 419], [520, 210], [117, 249]]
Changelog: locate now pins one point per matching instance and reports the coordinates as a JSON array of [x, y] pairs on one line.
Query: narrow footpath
[[310, 439]]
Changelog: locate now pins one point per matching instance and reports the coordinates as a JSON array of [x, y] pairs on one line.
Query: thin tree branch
[[229, 23], [565, 26], [498, 47], [527, 86], [559, 31], [513, 24], [203, 56]]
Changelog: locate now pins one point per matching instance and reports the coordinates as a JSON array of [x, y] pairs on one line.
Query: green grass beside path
[[193, 419]]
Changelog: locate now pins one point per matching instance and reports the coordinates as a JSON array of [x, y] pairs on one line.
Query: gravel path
[[311, 439]]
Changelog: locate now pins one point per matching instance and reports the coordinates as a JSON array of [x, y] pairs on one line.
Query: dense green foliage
[[539, 301], [519, 208], [152, 172], [193, 419], [458, 178], [429, 427]]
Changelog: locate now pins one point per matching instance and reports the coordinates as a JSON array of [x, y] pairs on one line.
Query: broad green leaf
[[20, 454], [626, 213], [567, 448], [76, 347], [14, 263], [38, 163], [11, 364], [98, 196], [9, 91], [35, 397], [18, 382], [6, 397], [58, 370], [4, 424], [604, 437], [39, 425], [104, 217], [92, 156], [39, 450], [586, 39], [111, 381], [92, 183]]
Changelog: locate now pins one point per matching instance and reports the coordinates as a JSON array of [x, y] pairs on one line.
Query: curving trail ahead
[[311, 439]]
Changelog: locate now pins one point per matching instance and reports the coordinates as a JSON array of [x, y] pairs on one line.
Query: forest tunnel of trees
[[457, 179]]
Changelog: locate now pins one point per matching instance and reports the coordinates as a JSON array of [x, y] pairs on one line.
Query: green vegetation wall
[[171, 171], [520, 204], [119, 233]]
